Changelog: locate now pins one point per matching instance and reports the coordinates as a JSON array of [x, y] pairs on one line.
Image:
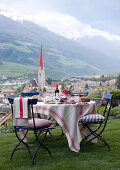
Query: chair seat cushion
[[92, 118], [39, 123]]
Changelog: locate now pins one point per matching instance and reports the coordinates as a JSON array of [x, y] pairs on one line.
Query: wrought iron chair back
[[29, 94], [107, 109]]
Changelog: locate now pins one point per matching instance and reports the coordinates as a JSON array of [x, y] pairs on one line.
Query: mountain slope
[[20, 43], [108, 47]]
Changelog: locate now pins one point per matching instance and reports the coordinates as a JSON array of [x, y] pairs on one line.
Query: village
[[76, 84], [59, 84], [45, 87]]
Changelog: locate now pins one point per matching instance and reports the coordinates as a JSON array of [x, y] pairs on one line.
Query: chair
[[99, 120], [33, 124], [30, 94]]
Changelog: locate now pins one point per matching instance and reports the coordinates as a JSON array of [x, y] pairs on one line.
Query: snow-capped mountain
[[29, 29]]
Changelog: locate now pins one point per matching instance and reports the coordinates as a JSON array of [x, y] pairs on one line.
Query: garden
[[95, 156]]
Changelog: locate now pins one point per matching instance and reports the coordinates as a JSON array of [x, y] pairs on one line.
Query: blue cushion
[[92, 118]]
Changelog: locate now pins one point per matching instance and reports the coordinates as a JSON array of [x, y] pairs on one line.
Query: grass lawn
[[96, 156], [10, 69]]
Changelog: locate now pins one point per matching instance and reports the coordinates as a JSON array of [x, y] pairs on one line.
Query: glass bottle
[[57, 93]]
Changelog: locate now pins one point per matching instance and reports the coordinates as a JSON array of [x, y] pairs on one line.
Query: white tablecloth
[[67, 116]]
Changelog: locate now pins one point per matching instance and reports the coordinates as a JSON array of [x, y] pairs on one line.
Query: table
[[67, 116]]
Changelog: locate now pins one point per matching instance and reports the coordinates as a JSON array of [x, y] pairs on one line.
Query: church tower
[[41, 73]]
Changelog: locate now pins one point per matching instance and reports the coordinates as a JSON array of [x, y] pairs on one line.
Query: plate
[[51, 102]]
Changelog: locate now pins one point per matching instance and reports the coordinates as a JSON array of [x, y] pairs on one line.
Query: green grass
[[10, 69], [23, 47], [95, 157], [7, 86]]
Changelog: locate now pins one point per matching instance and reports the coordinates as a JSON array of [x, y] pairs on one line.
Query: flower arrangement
[[65, 91]]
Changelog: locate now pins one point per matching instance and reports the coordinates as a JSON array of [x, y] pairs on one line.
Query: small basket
[[85, 99]]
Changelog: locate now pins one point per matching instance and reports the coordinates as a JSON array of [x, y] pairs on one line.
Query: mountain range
[[20, 43], [108, 47]]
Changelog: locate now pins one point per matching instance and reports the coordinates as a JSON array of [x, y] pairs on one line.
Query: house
[[82, 85], [5, 113], [51, 88], [4, 77], [110, 82], [7, 92]]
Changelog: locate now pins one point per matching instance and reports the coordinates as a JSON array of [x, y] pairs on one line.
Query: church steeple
[[41, 59], [41, 73]]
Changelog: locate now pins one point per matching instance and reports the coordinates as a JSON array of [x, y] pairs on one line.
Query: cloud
[[10, 13], [14, 1], [62, 24], [68, 26]]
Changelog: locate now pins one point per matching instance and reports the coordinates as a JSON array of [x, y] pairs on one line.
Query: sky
[[70, 18]]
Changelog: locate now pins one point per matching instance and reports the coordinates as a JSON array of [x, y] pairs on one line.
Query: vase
[[64, 97]]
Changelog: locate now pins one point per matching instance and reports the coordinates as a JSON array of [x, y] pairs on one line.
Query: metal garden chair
[[30, 94], [33, 124], [99, 120]]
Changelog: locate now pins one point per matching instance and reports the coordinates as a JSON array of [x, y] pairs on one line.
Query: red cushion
[[39, 123]]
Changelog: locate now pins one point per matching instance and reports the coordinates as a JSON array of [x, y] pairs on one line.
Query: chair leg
[[103, 139], [54, 139], [45, 132], [41, 145], [62, 132], [83, 147], [95, 136], [81, 144], [99, 137], [20, 141]]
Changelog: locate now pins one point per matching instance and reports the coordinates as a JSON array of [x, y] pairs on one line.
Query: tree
[[44, 90], [20, 89], [33, 90], [102, 76], [49, 80], [86, 86], [100, 84], [118, 81], [63, 85]]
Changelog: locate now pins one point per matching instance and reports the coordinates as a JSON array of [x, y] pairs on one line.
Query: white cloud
[[65, 25], [68, 26], [10, 13]]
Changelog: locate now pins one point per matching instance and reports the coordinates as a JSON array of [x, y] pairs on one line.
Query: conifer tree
[[118, 81]]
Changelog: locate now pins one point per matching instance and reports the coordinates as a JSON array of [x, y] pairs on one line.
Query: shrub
[[116, 97], [115, 111], [97, 93], [9, 127]]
